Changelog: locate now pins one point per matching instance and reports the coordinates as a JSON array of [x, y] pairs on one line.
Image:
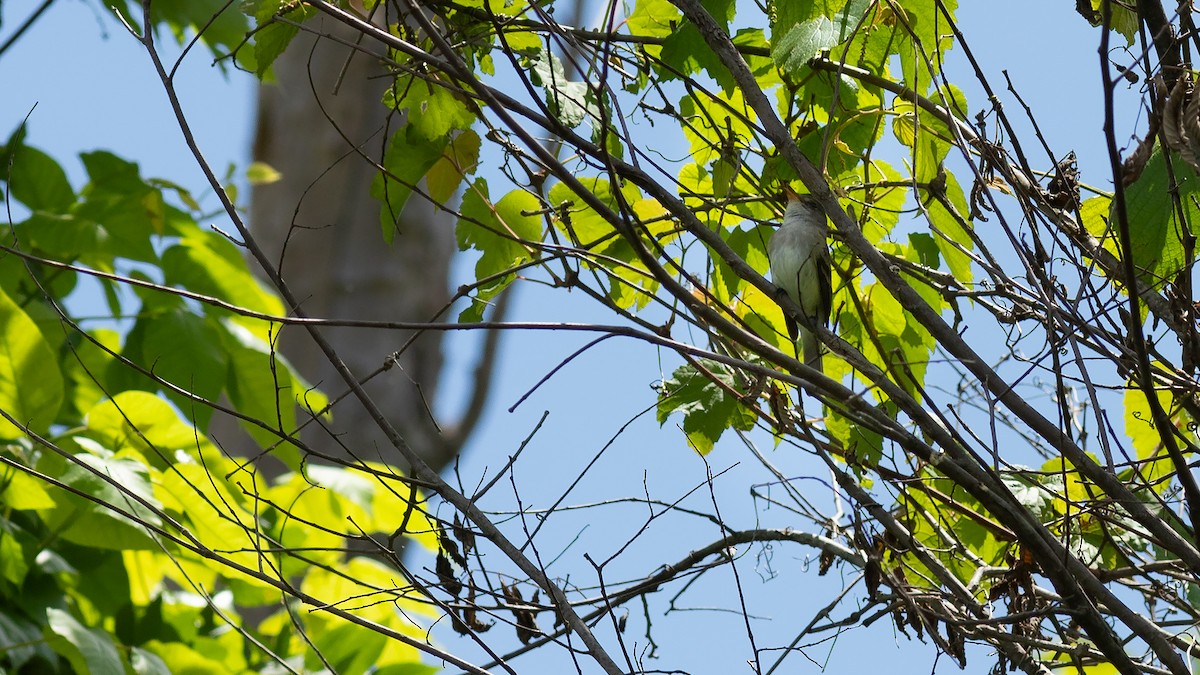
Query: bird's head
[[802, 205]]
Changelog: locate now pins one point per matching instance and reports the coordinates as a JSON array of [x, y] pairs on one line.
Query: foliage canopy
[[1007, 413]]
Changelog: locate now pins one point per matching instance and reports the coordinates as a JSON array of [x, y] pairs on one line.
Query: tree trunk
[[318, 126]]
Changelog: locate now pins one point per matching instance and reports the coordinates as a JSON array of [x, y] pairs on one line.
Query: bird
[[799, 255]]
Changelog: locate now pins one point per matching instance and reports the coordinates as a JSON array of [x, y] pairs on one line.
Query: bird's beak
[[790, 193]]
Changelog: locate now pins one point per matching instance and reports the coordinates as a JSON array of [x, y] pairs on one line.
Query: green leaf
[[569, 101], [207, 263], [22, 491], [1094, 213], [261, 173], [716, 123], [862, 447], [926, 248], [803, 41], [1124, 21], [709, 407], [143, 422], [110, 597], [111, 173], [889, 316], [522, 41], [31, 386], [631, 286], [218, 22], [272, 37], [349, 648], [408, 158], [147, 663], [750, 245], [748, 40], [35, 179], [90, 651], [185, 350], [654, 18], [1154, 463], [503, 233], [800, 31], [22, 638], [853, 127], [84, 521], [722, 11], [1155, 229], [686, 51], [406, 669], [433, 111], [888, 337], [920, 49], [67, 237], [951, 237], [583, 223], [181, 658], [458, 161], [85, 368], [261, 385], [181, 192], [13, 563], [129, 211], [927, 136]]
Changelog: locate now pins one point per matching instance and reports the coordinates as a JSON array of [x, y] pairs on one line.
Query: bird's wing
[[825, 286]]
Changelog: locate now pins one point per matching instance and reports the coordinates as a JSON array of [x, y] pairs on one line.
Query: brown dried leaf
[[1063, 191], [469, 620], [464, 535], [1135, 163], [526, 617], [1190, 123], [999, 590], [447, 579], [873, 576], [825, 562], [458, 625], [956, 644], [1172, 123], [450, 547]]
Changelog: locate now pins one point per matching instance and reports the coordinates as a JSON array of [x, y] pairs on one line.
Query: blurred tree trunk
[[321, 226]]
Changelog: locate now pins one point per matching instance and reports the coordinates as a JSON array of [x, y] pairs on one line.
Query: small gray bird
[[800, 266]]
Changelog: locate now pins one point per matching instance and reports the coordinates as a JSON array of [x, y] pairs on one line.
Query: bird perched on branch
[[799, 257]]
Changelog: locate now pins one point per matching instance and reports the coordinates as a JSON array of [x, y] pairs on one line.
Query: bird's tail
[[810, 347]]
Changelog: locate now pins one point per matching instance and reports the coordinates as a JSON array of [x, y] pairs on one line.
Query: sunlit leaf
[[31, 385], [708, 401]]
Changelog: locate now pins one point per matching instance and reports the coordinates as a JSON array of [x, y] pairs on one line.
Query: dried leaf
[[825, 562], [1063, 191], [1135, 163], [458, 625], [873, 576], [956, 644], [464, 535], [1173, 113], [450, 547], [525, 616], [469, 620], [999, 590], [447, 579]]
